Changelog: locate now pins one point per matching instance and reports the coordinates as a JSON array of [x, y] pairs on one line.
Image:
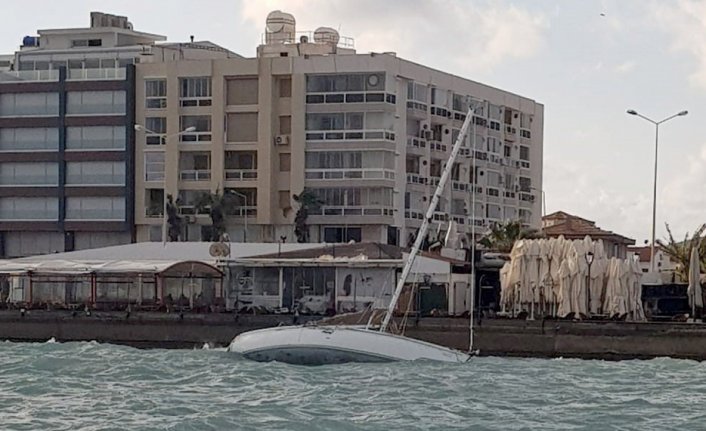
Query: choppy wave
[[90, 386]]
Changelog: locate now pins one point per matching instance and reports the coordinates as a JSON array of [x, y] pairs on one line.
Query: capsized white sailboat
[[316, 345]]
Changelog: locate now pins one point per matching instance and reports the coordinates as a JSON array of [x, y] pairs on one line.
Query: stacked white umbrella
[[552, 277], [694, 290]]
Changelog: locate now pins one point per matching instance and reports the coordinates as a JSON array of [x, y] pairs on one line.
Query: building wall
[[374, 189], [66, 165]]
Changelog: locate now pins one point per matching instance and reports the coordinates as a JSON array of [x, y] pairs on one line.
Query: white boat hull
[[319, 345]]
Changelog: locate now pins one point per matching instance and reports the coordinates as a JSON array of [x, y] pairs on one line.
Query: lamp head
[[139, 127], [632, 112], [190, 129], [682, 113]]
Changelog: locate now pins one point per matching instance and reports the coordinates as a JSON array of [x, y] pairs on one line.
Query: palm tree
[[680, 252], [174, 221], [308, 201], [502, 236], [218, 206]]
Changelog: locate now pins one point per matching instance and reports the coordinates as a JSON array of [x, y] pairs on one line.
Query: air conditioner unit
[[282, 140], [424, 125]]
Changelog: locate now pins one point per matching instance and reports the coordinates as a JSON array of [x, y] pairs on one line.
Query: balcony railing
[[195, 175], [352, 174], [415, 142], [368, 210], [416, 179], [350, 135], [29, 75], [96, 74], [241, 174]]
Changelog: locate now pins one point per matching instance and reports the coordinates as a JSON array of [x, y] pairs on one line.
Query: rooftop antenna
[[192, 38]]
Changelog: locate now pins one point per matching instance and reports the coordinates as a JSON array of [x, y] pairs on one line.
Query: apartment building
[[367, 133], [67, 134]]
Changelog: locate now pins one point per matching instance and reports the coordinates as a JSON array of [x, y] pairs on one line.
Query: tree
[[680, 252], [308, 201], [174, 221], [502, 236], [218, 206]]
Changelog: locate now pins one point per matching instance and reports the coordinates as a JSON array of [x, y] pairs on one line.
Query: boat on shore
[[318, 345]]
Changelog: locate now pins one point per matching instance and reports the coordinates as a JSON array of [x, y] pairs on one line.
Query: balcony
[[349, 174], [195, 175], [350, 135], [96, 74], [414, 142], [241, 174], [29, 76], [413, 215], [417, 179], [368, 210]]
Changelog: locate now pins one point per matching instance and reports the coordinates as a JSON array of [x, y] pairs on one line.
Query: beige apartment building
[[367, 133]]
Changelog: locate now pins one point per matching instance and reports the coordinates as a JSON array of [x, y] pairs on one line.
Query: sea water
[[90, 386]]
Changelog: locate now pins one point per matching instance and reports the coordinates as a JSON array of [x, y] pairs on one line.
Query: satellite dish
[[218, 249]]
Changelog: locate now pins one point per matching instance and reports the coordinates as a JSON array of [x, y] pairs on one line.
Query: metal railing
[[195, 175], [349, 135], [241, 174], [352, 174], [117, 73], [29, 75]]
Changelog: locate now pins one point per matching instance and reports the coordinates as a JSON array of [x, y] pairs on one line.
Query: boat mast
[[427, 219]]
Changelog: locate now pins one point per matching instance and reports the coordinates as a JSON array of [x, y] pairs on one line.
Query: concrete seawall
[[599, 340]]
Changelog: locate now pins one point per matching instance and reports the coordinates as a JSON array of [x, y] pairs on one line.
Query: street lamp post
[[654, 188], [245, 213], [165, 139], [589, 261]]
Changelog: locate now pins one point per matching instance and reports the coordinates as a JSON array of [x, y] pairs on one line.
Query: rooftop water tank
[[326, 35], [280, 27], [30, 41]]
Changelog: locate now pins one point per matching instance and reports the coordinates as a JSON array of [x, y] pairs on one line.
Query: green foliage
[[680, 252], [308, 201], [502, 236], [174, 221], [218, 205]]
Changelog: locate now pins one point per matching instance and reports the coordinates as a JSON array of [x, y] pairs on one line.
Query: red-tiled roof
[[573, 227]]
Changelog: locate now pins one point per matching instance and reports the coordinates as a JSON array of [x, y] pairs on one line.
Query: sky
[[587, 61]]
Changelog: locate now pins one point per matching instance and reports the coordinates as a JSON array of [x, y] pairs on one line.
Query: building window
[[95, 173], [342, 234], [156, 130], [155, 93], [240, 165], [202, 123], [154, 166], [242, 127], [29, 104], [242, 91], [29, 208], [29, 174], [80, 43], [95, 103], [525, 184], [350, 126], [345, 82], [524, 153], [95, 208], [195, 166], [195, 91], [29, 139], [95, 138]]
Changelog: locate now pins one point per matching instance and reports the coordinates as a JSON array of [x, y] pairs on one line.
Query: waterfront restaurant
[[111, 285]]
